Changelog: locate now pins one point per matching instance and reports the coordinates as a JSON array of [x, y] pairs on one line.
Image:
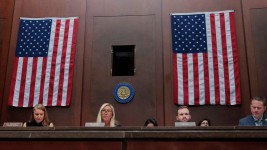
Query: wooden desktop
[[133, 138]]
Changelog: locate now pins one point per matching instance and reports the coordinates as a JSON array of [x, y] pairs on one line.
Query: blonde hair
[[46, 121], [99, 117]]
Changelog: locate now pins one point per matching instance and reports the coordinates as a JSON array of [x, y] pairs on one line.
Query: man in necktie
[[257, 117]]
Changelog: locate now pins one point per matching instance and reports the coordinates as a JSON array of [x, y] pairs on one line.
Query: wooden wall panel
[[6, 13], [86, 96], [219, 115], [49, 8], [256, 37], [203, 145], [124, 22], [66, 145]]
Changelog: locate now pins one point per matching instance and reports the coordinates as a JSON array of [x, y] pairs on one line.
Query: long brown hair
[[46, 121]]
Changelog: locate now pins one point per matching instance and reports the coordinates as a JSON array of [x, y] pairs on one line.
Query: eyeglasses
[[106, 110]]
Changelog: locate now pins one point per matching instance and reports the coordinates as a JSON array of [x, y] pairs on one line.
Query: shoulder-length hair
[[46, 121], [112, 120]]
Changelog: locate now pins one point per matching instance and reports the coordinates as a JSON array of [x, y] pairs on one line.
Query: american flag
[[205, 61], [43, 65]]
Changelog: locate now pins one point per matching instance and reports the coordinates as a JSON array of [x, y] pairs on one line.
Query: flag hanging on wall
[[44, 61], [205, 61]]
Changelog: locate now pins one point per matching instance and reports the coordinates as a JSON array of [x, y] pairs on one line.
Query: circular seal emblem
[[123, 93]]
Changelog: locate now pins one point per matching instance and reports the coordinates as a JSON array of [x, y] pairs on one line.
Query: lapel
[[251, 121], [264, 119]]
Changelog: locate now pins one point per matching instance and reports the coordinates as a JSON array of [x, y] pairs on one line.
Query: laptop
[[185, 124], [94, 124]]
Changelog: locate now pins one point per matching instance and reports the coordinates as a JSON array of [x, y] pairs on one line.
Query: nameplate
[[184, 124], [12, 124], [94, 124]]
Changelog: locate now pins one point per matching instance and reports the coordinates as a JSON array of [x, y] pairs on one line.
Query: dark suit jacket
[[249, 121]]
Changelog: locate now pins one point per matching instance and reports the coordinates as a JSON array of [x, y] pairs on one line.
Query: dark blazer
[[249, 121]]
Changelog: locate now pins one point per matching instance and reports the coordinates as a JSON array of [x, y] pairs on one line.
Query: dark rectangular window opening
[[123, 60]]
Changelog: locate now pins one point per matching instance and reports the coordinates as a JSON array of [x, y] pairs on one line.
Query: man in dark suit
[[257, 117]]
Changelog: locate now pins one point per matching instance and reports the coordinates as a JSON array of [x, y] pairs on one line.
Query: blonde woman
[[106, 115], [39, 117]]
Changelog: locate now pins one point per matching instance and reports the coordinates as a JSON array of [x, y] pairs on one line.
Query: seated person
[[106, 114], [151, 122], [204, 122], [257, 117], [183, 114], [39, 117]]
